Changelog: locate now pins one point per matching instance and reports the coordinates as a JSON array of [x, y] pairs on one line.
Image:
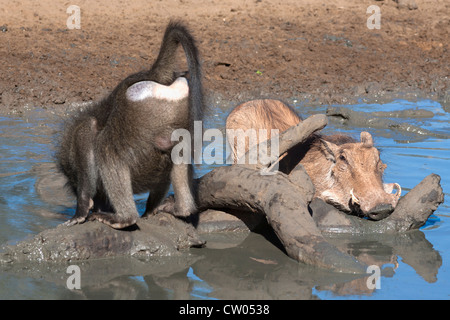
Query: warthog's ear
[[329, 150], [366, 139]]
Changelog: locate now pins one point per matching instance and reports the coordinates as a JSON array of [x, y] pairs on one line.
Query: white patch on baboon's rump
[[139, 91]]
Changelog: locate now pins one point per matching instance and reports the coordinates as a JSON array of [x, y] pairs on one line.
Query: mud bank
[[316, 52]]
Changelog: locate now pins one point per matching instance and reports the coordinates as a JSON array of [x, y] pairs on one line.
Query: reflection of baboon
[[122, 145]]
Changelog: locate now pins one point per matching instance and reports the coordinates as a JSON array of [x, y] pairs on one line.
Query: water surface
[[414, 265]]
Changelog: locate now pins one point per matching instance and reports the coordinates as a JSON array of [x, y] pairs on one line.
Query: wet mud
[[378, 120], [316, 52]]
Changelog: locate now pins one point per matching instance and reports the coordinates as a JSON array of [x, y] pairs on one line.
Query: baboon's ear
[[329, 150]]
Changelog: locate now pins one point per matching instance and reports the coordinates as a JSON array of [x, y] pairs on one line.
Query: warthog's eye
[[343, 163]]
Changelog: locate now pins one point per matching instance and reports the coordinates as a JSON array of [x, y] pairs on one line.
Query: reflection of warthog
[[345, 173]]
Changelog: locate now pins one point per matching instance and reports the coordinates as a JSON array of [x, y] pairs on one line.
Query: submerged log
[[284, 201], [286, 208]]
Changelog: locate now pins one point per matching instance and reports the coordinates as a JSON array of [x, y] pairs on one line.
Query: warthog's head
[[355, 178]]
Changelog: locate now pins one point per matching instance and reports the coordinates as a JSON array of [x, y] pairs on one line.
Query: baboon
[[122, 145]]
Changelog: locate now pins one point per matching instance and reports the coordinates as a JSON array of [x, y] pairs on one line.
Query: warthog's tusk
[[354, 198], [399, 190]]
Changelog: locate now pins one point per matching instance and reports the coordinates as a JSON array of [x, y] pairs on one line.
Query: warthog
[[346, 173]]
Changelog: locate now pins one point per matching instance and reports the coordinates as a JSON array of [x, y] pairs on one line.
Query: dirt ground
[[313, 51]]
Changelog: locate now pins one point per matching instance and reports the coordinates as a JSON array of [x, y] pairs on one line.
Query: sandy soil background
[[315, 51]]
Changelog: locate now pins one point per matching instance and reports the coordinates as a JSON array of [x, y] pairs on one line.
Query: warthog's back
[[260, 114]]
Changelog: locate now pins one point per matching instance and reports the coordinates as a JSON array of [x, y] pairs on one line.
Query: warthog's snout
[[377, 204], [381, 211]]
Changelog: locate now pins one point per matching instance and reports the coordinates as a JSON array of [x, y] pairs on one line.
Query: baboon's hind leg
[[116, 180]]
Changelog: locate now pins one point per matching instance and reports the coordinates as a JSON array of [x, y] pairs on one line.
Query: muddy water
[[236, 266]]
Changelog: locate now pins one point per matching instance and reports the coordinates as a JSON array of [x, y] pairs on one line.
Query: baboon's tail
[[163, 68]]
